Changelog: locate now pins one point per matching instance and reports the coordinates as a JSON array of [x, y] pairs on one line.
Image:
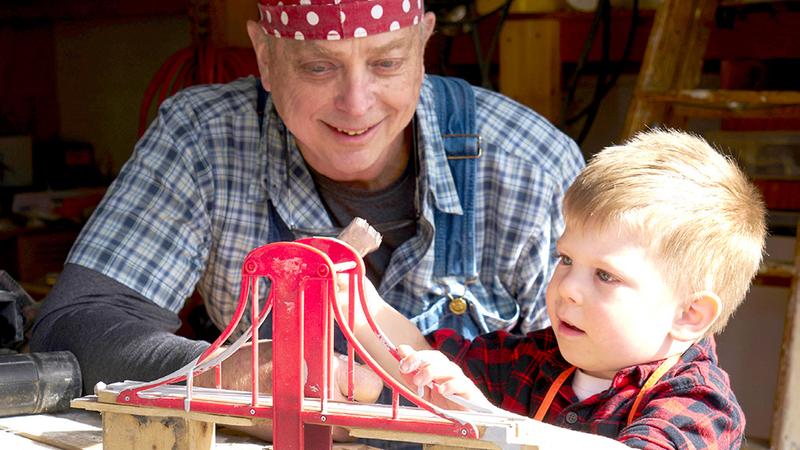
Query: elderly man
[[464, 184]]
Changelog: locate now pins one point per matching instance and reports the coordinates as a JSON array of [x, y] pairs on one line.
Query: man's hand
[[236, 376], [430, 366]]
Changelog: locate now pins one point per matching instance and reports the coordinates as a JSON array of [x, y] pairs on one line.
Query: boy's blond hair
[[693, 207]]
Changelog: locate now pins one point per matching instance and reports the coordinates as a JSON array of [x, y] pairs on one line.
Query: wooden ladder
[[666, 94], [666, 90], [786, 418]]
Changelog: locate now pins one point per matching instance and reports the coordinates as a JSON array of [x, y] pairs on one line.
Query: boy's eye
[[605, 276]]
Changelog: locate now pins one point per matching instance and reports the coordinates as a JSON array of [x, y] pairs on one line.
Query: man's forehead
[[330, 20], [373, 45]]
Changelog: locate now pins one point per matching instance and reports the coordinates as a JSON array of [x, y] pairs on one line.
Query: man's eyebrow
[[400, 42], [314, 48]]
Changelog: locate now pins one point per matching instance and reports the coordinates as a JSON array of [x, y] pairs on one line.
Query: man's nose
[[356, 93]]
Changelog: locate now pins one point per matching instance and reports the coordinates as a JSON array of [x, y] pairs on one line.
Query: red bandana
[[336, 19]]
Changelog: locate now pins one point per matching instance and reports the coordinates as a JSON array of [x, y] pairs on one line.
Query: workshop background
[[79, 81]]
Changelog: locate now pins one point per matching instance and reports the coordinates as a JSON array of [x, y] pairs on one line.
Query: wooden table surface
[[82, 430]]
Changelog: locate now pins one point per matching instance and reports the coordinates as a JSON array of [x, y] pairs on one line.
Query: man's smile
[[352, 132]]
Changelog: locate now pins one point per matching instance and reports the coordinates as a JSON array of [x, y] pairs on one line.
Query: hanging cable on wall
[[606, 78], [454, 17]]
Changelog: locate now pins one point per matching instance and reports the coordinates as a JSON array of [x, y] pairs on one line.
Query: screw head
[[252, 412], [323, 418], [463, 431], [127, 398]]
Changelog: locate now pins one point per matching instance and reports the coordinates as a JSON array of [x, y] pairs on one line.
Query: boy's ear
[[693, 320]]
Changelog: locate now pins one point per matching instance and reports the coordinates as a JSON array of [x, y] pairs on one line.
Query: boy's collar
[[705, 349]]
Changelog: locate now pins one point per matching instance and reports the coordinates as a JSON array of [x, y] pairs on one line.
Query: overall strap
[[278, 231], [455, 234], [261, 103]]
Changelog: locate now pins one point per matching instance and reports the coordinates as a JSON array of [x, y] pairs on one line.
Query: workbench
[[82, 430]]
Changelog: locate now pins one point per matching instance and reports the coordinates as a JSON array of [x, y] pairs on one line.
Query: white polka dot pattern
[[337, 19]]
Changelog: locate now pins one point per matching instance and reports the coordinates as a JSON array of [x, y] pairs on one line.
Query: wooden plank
[[431, 441], [684, 111], [726, 99], [786, 419], [69, 431], [530, 71], [495, 430], [727, 103], [134, 432], [91, 403], [228, 20]]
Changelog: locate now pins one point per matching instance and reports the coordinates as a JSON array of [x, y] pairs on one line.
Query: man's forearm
[[114, 333]]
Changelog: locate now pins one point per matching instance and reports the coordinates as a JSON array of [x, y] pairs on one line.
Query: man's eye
[[388, 64], [605, 276], [317, 68]]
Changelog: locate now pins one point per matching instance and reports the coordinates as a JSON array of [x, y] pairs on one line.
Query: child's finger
[[409, 361], [404, 350], [433, 366]]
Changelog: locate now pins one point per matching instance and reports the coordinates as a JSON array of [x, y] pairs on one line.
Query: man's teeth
[[352, 132]]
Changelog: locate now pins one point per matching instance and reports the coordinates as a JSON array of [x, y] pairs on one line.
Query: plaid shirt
[[192, 202], [691, 407]]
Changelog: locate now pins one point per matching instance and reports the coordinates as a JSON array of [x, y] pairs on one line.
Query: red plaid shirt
[[691, 407]]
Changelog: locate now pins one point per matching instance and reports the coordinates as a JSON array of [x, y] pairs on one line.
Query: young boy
[[663, 237]]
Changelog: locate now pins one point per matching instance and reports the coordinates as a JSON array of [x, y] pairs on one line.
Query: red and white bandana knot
[[336, 19]]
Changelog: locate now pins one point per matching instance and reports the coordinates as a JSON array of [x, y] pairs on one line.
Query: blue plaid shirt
[[192, 202]]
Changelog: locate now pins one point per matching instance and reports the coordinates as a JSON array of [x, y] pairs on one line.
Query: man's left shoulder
[[519, 131]]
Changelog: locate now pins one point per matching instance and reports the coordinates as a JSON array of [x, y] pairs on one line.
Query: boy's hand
[[430, 366]]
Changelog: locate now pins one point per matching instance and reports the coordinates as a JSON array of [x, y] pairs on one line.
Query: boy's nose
[[570, 286]]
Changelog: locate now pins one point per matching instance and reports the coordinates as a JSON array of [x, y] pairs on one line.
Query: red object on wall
[[780, 194]]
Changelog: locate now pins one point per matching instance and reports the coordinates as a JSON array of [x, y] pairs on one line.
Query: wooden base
[[139, 428], [128, 431], [129, 427]]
